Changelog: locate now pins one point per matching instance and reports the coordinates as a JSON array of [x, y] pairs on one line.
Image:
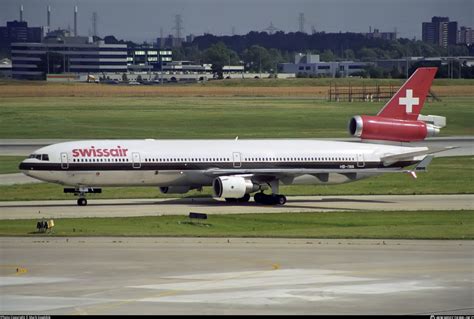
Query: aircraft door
[[64, 161], [136, 160], [360, 160], [236, 157]]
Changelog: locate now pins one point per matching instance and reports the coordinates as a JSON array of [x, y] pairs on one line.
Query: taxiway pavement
[[235, 276], [183, 206]]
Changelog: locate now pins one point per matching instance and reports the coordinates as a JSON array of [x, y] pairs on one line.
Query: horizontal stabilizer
[[390, 159]]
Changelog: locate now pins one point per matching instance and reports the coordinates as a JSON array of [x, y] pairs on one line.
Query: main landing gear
[[274, 198], [81, 192]]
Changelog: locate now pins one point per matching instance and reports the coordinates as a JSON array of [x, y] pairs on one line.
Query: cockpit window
[[41, 157]]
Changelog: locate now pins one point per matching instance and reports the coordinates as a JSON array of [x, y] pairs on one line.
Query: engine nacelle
[[233, 187], [388, 129], [175, 189]]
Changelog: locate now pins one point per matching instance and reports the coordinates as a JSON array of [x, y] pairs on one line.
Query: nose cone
[[26, 167], [22, 166]]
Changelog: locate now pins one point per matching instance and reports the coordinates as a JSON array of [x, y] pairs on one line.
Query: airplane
[[236, 168]]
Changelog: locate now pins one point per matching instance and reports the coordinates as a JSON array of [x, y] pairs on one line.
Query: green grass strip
[[370, 224], [9, 164]]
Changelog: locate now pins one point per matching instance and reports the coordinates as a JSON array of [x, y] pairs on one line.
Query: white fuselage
[[98, 163]]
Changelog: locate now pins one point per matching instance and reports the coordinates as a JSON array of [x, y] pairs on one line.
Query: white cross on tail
[[409, 101]]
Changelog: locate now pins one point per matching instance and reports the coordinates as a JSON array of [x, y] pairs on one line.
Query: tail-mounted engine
[[389, 129]]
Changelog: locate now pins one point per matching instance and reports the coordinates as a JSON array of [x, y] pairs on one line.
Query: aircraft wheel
[[244, 199], [280, 199], [258, 198], [82, 202]]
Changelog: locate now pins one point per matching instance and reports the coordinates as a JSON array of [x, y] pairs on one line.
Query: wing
[[268, 174], [265, 175]]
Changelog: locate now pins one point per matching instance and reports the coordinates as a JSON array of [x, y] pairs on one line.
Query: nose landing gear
[[81, 192]]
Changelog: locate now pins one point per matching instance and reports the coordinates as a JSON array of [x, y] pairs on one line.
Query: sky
[[141, 20]]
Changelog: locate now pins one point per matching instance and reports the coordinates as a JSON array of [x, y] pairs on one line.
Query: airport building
[[310, 65], [376, 34], [62, 53], [146, 59], [18, 31]]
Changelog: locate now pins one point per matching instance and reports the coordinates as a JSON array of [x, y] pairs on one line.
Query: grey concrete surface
[[464, 144], [156, 207], [235, 276]]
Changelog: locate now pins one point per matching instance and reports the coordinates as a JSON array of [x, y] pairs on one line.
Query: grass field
[[386, 225], [9, 164], [452, 175], [200, 117]]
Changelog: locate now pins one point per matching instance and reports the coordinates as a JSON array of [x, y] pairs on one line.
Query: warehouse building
[[310, 65]]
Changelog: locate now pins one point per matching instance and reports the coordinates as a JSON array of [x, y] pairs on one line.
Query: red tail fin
[[407, 103]]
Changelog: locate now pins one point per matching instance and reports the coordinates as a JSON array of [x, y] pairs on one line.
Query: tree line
[[263, 52]]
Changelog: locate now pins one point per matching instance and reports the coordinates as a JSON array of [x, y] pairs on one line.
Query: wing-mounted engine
[[233, 186], [388, 129]]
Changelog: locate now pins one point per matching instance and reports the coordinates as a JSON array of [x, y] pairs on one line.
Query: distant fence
[[351, 93], [365, 93]]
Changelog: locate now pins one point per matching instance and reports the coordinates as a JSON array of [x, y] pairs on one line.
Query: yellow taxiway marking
[[19, 270]]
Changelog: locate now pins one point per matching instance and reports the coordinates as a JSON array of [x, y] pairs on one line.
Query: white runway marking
[[17, 303], [270, 278], [25, 280], [279, 286]]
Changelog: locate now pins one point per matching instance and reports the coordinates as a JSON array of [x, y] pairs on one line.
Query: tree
[[178, 54], [327, 56], [395, 73], [257, 59], [367, 54], [349, 54], [192, 53], [219, 55], [110, 39], [275, 59], [374, 72]]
